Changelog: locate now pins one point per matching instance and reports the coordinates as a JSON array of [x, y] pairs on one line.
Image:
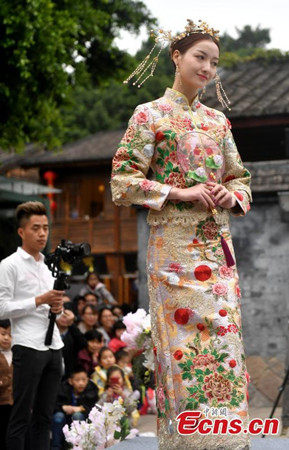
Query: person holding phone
[[117, 386]]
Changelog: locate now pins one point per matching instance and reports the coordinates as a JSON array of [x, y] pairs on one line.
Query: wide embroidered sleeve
[[236, 177], [131, 163]]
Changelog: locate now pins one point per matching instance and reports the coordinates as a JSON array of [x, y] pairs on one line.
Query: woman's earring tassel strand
[[221, 94]]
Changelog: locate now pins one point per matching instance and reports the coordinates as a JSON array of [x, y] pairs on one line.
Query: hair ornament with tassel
[[162, 38]]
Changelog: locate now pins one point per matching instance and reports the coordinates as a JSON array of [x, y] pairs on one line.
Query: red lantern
[[50, 177]]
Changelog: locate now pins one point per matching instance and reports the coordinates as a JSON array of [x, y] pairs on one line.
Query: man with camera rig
[[26, 297]]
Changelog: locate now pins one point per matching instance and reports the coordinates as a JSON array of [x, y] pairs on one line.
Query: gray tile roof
[[254, 88]]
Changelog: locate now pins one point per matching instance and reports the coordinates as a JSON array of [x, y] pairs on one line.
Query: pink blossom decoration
[[220, 289]]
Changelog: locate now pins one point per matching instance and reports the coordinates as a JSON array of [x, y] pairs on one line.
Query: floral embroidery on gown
[[194, 294]]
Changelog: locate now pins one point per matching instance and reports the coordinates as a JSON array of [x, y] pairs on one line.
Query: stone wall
[[261, 243]]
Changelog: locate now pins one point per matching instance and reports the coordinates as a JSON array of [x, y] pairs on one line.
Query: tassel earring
[[203, 91], [178, 76], [221, 94]]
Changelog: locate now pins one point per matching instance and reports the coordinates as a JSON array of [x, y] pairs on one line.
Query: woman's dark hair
[[184, 44], [102, 350], [90, 335], [116, 306], [112, 369], [101, 312], [92, 307], [118, 325]]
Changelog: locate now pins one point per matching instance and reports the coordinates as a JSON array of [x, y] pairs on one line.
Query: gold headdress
[[163, 38]]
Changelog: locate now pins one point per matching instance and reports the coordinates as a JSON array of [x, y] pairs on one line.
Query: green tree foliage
[[248, 39], [47, 47]]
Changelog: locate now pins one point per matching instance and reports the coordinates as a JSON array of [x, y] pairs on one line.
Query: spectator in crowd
[[95, 286], [72, 338], [6, 374], [117, 312], [106, 321], [91, 299], [116, 387], [88, 357], [106, 359], [123, 360], [89, 318], [76, 397], [117, 330], [78, 305]]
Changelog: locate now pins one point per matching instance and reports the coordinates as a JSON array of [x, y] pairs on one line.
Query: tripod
[[281, 389]]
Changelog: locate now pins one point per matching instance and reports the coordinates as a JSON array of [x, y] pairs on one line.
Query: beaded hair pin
[[163, 38]]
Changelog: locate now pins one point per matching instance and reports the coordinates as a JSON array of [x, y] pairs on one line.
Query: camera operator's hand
[[53, 298]]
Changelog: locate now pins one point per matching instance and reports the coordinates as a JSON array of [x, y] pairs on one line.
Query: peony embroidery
[[226, 272], [220, 289], [147, 185], [141, 118]]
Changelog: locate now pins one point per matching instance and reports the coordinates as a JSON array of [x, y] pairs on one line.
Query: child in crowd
[[6, 374], [116, 343], [72, 338], [117, 312], [116, 387], [76, 397], [94, 285], [88, 357], [106, 359]]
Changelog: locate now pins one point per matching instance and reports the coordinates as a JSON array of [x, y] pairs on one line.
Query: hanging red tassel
[[228, 255]]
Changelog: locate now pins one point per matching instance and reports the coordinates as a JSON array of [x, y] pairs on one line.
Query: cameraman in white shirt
[[26, 296]]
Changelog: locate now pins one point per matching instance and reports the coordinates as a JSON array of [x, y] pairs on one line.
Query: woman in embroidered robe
[[198, 181]]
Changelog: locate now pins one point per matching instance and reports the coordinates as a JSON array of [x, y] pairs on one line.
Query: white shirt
[[22, 278]]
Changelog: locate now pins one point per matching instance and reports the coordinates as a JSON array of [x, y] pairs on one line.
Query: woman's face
[[89, 317], [107, 359], [107, 319], [94, 346], [198, 65]]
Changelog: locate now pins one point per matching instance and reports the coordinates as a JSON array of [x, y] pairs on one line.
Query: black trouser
[[36, 378]]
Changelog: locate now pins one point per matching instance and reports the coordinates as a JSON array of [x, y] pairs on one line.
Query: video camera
[[69, 253]]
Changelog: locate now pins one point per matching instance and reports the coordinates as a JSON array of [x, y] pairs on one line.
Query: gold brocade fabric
[[194, 295], [196, 325]]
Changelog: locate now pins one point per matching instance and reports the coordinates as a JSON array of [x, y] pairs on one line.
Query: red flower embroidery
[[229, 178], [239, 196], [175, 267], [226, 272], [200, 326], [178, 355], [223, 313], [229, 124], [232, 363], [221, 331], [176, 179], [147, 185], [210, 229], [203, 273], [220, 289], [141, 118], [182, 315], [238, 291], [204, 127], [232, 328], [160, 136], [202, 361]]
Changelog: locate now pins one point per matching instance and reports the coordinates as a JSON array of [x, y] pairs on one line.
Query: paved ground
[[148, 441]]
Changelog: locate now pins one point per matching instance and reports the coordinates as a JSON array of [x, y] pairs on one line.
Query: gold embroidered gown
[[194, 293]]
